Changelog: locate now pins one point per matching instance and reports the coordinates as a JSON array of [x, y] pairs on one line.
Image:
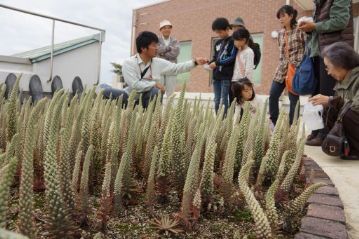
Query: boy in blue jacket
[[222, 63]]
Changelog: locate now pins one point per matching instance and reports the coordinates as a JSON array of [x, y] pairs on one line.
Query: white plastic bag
[[312, 116]]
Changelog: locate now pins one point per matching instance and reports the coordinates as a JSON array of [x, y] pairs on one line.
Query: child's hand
[[212, 65]]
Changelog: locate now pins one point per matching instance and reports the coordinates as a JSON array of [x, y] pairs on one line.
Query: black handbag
[[335, 143]]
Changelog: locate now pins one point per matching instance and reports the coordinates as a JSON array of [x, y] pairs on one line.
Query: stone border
[[325, 216]]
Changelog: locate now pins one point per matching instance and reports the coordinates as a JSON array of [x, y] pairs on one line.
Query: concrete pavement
[[345, 176]]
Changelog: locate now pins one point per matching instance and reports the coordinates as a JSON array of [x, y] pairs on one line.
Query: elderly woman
[[342, 63]]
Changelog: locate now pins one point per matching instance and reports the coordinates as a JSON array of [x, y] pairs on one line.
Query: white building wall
[[82, 62]]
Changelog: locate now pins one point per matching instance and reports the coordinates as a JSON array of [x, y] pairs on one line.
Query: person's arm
[[339, 16], [230, 59], [132, 77], [249, 64], [169, 68], [174, 50]]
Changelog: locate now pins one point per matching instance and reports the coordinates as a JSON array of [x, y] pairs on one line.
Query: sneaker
[[317, 141]]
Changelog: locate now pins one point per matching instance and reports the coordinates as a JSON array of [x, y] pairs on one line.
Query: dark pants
[[221, 90], [148, 96], [350, 125], [325, 85], [275, 92], [113, 93]]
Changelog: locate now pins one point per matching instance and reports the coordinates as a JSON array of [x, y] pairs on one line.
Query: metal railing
[[54, 19]]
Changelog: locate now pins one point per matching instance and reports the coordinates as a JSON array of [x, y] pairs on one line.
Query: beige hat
[[165, 23]]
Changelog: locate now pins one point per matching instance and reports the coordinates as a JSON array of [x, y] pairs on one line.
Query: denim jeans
[[148, 96], [110, 92], [221, 90], [275, 92]]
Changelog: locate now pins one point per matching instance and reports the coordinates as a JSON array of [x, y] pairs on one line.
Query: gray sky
[[22, 32]]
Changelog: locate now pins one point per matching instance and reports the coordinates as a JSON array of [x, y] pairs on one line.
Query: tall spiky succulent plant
[[229, 126], [249, 144], [49, 115], [6, 179], [270, 195], [297, 204], [150, 144], [58, 220], [25, 222], [65, 162], [274, 151], [76, 172], [151, 183], [229, 161], [259, 144], [11, 110], [262, 226], [192, 179], [178, 163], [243, 130], [85, 129], [114, 143], [21, 126], [123, 176], [289, 178], [95, 140], [207, 186], [84, 184]]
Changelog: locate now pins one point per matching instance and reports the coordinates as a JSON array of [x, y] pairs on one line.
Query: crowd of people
[[327, 39]]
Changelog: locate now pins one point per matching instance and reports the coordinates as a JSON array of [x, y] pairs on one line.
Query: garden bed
[[86, 167]]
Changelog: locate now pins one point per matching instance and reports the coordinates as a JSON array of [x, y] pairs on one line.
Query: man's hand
[[212, 65], [200, 60], [307, 26], [319, 100], [160, 87]]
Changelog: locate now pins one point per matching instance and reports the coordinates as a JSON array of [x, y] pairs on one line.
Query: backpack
[[257, 54]]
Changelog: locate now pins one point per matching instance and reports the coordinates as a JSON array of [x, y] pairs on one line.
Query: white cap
[[165, 23]]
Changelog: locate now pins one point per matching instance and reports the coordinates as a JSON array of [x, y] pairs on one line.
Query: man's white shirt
[[158, 68]]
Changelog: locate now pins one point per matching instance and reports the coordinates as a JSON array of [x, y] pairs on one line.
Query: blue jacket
[[225, 56]]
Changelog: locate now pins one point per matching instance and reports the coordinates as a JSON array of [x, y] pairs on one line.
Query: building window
[[356, 34], [185, 55]]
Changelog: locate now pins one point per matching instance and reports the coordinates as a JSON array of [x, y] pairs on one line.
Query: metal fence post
[[52, 50]]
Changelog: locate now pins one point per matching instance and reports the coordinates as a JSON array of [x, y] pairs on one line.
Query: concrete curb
[[325, 216]]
